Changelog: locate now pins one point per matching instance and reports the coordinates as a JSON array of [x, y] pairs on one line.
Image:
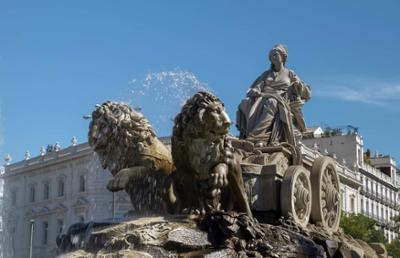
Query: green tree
[[361, 227], [393, 248]]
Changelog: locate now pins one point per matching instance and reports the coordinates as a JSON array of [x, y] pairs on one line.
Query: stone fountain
[[211, 194]]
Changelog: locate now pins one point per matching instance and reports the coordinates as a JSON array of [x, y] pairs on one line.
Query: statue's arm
[[300, 88], [256, 87]]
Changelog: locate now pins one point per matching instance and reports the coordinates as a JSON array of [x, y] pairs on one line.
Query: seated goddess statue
[[273, 104]]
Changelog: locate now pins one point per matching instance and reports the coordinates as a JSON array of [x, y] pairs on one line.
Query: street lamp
[[31, 240]]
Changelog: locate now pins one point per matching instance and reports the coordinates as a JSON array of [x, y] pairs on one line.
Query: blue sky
[[60, 58]]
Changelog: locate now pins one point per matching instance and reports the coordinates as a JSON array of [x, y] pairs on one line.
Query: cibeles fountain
[[211, 194]]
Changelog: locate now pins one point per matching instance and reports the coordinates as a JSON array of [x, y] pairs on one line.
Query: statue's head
[[202, 115], [278, 53]]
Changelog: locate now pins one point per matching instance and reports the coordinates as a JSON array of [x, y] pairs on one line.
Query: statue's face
[[276, 57]]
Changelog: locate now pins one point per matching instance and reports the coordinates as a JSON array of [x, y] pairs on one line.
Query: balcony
[[377, 173]]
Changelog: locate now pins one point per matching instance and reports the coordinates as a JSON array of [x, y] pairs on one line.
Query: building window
[[14, 198], [60, 226], [46, 191], [352, 204], [362, 206], [32, 193], [45, 232], [82, 184], [372, 208], [61, 187]]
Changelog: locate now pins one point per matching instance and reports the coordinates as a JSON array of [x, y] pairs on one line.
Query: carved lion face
[[215, 119]]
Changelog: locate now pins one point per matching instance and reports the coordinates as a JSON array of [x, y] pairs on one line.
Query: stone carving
[[273, 104], [206, 163], [127, 146], [267, 117]]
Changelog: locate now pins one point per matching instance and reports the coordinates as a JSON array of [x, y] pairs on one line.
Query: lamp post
[[113, 205], [31, 240]]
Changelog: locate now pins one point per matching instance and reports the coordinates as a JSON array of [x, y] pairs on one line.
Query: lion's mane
[[118, 134]]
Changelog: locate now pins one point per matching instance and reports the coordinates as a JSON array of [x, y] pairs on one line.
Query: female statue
[[273, 104]]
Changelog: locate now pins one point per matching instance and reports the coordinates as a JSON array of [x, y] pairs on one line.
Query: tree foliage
[[361, 227], [393, 248]]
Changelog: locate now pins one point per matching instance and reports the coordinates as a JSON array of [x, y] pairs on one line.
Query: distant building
[[2, 235], [378, 197], [56, 189]]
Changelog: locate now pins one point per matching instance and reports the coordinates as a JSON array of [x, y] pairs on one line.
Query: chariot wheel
[[326, 202], [296, 195]]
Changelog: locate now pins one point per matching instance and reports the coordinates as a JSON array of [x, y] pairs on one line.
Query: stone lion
[[208, 175], [128, 147]]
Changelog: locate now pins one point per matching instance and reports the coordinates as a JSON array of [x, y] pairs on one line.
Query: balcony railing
[[376, 173]]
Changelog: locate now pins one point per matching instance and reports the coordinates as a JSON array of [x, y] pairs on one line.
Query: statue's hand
[[219, 177], [254, 93]]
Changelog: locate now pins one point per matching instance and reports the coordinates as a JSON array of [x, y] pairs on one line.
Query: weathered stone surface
[[183, 239], [219, 234], [347, 251], [369, 252], [380, 249], [331, 247]]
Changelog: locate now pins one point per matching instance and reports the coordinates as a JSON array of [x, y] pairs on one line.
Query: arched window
[[82, 183], [61, 187]]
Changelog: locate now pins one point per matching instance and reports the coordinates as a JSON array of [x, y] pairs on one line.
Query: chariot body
[[293, 183]]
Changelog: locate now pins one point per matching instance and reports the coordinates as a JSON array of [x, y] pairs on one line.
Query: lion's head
[[117, 132], [202, 116]]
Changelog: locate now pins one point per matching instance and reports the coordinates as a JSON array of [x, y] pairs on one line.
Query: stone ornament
[[27, 155], [42, 151], [74, 141], [57, 147], [7, 159]]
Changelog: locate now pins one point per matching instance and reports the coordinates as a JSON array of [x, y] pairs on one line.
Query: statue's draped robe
[[268, 118]]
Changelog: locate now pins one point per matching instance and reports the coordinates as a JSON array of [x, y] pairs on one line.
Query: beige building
[[56, 189], [378, 196]]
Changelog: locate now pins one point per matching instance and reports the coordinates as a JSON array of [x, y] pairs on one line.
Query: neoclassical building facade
[[378, 195], [58, 188]]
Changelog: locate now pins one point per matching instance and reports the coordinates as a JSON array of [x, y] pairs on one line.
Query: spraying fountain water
[[160, 95]]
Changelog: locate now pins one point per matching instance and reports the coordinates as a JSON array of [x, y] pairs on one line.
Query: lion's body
[[129, 149], [200, 152]]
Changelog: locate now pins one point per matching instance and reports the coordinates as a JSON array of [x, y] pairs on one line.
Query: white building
[[55, 189], [379, 193], [350, 180]]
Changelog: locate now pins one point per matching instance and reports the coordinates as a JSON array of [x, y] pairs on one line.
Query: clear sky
[[60, 58]]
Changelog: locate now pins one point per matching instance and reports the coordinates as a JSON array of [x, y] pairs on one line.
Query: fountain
[[206, 194]]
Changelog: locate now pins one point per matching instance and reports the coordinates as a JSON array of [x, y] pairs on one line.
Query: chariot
[[287, 182]]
